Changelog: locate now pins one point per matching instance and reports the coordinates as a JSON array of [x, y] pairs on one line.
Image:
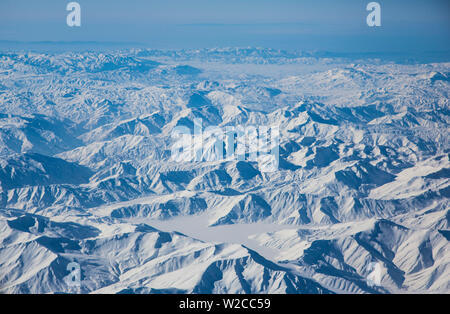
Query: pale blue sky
[[332, 25]]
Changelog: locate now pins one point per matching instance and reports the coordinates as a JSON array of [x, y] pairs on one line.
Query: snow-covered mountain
[[86, 173]]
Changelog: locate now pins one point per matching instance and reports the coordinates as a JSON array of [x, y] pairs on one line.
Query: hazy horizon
[[407, 26]]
